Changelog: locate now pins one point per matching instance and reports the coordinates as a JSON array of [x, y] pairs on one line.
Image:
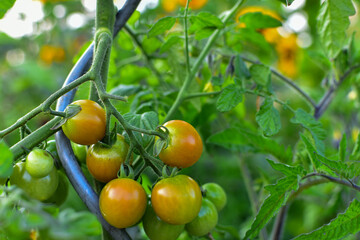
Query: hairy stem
[[199, 62], [187, 37]]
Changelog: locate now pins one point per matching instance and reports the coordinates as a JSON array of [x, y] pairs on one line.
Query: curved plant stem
[[34, 138], [187, 37], [328, 96], [190, 76], [148, 60], [288, 81], [45, 106]]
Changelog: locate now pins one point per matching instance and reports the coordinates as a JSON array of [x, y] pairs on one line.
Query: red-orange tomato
[[176, 200], [88, 126], [194, 4], [122, 202], [185, 145], [103, 162]]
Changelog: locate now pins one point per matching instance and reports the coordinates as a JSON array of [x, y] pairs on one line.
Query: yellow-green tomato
[[216, 194], [38, 188], [205, 221], [156, 229], [176, 200], [122, 202], [39, 163]]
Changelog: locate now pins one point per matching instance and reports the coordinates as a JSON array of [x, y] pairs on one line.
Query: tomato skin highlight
[[176, 200], [88, 126], [205, 221], [156, 229], [185, 145], [38, 188], [216, 194], [122, 202], [39, 163], [103, 162]]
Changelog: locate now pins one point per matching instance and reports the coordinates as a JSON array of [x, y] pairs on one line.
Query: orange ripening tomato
[[88, 126], [176, 200], [104, 162], [185, 145], [169, 5], [122, 202]]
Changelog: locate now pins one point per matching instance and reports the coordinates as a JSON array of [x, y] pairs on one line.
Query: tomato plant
[[39, 163], [156, 229], [88, 126], [216, 194], [104, 162], [122, 202], [205, 221], [184, 145], [180, 191], [38, 188]]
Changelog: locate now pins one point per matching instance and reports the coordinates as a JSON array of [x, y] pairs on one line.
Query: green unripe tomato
[[80, 152], [39, 163], [205, 221], [61, 192], [216, 194], [38, 188], [156, 229], [51, 148]]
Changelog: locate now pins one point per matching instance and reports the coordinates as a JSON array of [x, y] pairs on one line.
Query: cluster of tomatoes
[[39, 177], [176, 202]]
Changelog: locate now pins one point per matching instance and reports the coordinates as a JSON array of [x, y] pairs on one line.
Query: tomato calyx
[[70, 111], [126, 171], [166, 173], [162, 142]]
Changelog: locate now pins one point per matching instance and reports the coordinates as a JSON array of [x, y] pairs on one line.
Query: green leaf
[[339, 168], [173, 40], [6, 160], [310, 123], [147, 120], [355, 154], [260, 73], [134, 18], [287, 169], [342, 148], [268, 118], [125, 90], [205, 20], [78, 224], [241, 70], [344, 224], [5, 5], [229, 98], [279, 194], [162, 25], [333, 20], [257, 20], [217, 81], [311, 151], [242, 140]]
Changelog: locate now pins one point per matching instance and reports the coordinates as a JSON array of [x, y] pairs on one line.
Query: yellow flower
[[170, 5], [193, 4], [50, 54], [287, 50]]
